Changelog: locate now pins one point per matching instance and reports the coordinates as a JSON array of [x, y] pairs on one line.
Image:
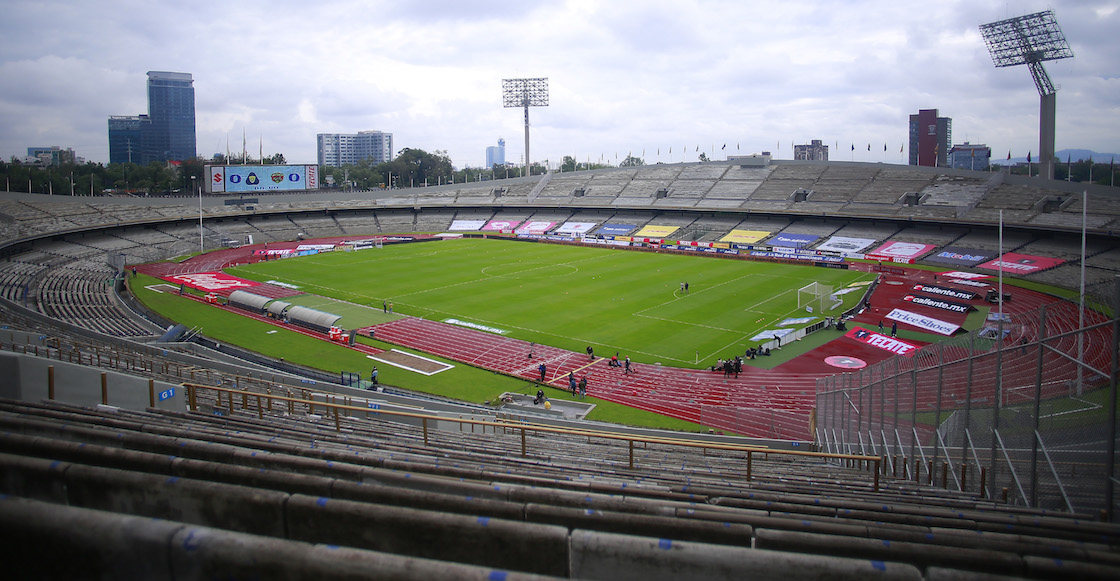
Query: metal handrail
[[192, 389]]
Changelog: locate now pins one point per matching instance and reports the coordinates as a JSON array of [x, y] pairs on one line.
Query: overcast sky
[[624, 76]]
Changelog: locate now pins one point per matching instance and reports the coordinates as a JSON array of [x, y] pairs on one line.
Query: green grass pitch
[[566, 296]]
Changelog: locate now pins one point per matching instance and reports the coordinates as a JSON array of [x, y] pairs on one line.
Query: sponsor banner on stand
[[575, 228], [501, 225], [923, 322], [1021, 263], [882, 258], [535, 227], [467, 225], [792, 240], [845, 244], [885, 342], [210, 281], [606, 241], [654, 231], [320, 247], [937, 303], [792, 256], [744, 236], [896, 249], [960, 256], [969, 282], [616, 229], [945, 292]]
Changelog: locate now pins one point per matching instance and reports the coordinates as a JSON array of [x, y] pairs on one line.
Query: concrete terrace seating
[[812, 227], [396, 220], [953, 191], [938, 236], [16, 278], [990, 242], [889, 184], [277, 228], [434, 220], [359, 223], [317, 226], [879, 232], [561, 187], [712, 228], [571, 508], [738, 184], [786, 179], [79, 295], [841, 183]]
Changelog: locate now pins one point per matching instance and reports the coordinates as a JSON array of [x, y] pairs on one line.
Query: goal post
[[812, 296]]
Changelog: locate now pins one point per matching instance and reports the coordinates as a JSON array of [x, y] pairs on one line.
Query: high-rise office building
[[930, 137], [166, 133], [171, 110], [815, 151], [126, 138], [337, 149], [496, 155]]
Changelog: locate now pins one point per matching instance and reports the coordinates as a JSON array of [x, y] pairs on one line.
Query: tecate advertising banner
[[945, 292], [937, 303], [1021, 263], [896, 346], [959, 256], [923, 322]]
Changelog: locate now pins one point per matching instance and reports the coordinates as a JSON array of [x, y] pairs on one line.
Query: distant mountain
[[1063, 155]]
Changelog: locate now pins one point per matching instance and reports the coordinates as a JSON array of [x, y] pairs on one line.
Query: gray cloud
[[623, 78]]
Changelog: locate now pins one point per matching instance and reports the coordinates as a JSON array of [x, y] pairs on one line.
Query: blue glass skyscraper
[[166, 133], [171, 110]]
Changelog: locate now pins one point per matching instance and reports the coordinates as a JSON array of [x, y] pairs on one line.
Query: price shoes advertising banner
[[923, 322]]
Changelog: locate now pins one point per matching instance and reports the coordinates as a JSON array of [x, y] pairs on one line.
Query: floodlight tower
[[525, 93], [1030, 40]]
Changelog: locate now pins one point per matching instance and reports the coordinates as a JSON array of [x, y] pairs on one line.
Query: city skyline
[[664, 82]]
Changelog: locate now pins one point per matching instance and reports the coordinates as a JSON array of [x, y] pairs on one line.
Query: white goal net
[[812, 296]]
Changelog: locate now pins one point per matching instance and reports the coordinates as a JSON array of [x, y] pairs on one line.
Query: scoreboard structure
[[237, 179]]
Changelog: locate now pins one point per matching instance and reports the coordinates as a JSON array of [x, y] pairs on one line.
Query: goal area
[[812, 296]]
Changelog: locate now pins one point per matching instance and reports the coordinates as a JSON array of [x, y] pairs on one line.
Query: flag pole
[[1081, 294]]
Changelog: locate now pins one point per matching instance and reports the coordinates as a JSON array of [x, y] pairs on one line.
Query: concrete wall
[[25, 378]]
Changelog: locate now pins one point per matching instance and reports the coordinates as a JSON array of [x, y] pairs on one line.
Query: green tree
[[632, 161], [703, 156]]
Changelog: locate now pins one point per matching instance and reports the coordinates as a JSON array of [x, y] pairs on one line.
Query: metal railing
[[341, 407], [1030, 403]]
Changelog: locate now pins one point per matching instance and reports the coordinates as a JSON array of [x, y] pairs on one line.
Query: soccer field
[[570, 296]]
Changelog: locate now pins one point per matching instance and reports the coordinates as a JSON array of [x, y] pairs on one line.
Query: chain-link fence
[[1022, 409]]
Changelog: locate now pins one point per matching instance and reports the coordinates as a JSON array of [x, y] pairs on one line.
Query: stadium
[[975, 437]]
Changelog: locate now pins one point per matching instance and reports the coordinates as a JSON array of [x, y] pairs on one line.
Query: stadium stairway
[[238, 495]]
